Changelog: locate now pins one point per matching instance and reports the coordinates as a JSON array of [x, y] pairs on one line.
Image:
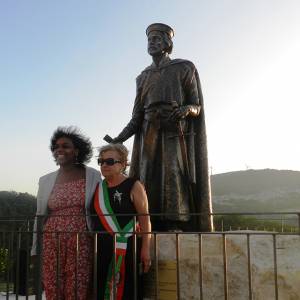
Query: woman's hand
[[145, 259]]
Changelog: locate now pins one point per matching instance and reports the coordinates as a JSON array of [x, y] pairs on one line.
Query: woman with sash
[[116, 202]]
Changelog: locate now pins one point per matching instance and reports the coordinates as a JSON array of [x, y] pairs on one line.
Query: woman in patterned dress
[[119, 194], [65, 197]]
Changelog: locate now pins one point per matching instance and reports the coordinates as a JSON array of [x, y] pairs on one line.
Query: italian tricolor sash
[[111, 225]]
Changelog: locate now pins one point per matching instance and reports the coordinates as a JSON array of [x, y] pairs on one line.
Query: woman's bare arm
[[140, 201]]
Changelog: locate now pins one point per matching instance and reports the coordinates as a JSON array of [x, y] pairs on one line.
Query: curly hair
[[120, 149], [80, 142]]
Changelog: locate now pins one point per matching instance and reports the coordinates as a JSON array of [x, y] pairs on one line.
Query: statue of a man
[[169, 152]]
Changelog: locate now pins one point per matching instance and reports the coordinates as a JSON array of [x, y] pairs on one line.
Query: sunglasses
[[108, 161]]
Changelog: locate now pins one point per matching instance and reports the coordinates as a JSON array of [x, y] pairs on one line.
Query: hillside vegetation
[[16, 209], [242, 191], [256, 191]]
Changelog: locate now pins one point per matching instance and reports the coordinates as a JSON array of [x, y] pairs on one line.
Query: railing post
[[39, 289], [114, 286], [8, 260], [200, 266], [275, 266], [156, 266], [95, 281], [249, 267], [299, 223], [27, 261], [76, 265], [225, 266], [135, 267], [177, 266], [17, 269]]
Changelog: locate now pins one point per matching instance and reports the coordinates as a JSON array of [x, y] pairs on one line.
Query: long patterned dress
[[67, 269]]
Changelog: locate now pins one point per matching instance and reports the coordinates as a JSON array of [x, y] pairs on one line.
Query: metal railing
[[20, 275]]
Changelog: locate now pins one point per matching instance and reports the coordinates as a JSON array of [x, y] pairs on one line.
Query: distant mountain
[[256, 191], [265, 190]]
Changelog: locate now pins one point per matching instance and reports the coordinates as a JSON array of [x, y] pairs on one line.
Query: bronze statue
[[169, 153]]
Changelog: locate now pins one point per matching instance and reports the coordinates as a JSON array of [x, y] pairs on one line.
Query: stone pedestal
[[177, 269]]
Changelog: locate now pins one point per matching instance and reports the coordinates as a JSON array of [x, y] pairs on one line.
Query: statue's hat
[[160, 27]]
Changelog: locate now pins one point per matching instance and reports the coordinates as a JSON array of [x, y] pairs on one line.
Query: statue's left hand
[[180, 113]]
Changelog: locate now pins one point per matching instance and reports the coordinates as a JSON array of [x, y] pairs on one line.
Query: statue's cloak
[[154, 148]]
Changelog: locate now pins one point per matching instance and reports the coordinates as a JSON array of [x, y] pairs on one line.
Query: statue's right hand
[[116, 141], [108, 139]]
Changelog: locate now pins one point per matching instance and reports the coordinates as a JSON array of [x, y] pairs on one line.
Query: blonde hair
[[120, 149]]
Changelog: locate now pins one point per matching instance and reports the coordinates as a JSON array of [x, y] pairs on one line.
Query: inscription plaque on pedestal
[[166, 284], [167, 280]]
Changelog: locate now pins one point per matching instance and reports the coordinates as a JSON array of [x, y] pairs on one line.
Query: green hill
[[242, 191], [257, 191], [16, 209]]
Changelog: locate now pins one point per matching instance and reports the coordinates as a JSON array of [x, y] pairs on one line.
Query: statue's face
[[156, 44]]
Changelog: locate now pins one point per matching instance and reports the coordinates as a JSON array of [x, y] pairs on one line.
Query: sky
[[74, 62]]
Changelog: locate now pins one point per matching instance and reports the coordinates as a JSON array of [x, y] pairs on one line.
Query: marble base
[[180, 278]]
